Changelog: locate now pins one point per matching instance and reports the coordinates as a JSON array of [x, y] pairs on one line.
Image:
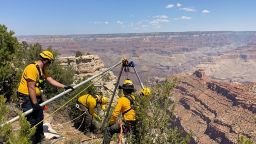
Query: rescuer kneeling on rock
[[87, 104]]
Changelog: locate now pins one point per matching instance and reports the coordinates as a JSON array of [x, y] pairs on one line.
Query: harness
[[132, 104], [41, 81]]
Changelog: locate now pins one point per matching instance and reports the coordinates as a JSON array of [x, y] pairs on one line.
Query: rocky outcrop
[[200, 74], [214, 111], [84, 66], [88, 65]]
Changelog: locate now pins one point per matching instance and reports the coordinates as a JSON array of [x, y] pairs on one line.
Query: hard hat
[[146, 91], [104, 100], [47, 55], [128, 82], [127, 85]]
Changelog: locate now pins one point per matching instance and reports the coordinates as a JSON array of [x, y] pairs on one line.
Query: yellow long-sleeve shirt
[[123, 104], [89, 102]]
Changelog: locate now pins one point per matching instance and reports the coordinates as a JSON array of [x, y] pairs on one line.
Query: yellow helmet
[[128, 82], [146, 91], [104, 100], [128, 85], [47, 55]]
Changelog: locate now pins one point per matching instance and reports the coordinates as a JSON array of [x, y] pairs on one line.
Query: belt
[[25, 95], [21, 94]]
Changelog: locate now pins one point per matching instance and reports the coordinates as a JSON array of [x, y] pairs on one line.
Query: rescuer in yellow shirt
[[88, 103], [125, 106], [29, 91]]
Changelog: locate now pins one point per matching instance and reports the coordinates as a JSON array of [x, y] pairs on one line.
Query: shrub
[[79, 53], [8, 48], [7, 134], [154, 114], [244, 140]]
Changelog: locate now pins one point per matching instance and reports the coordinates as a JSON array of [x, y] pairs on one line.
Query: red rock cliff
[[215, 112]]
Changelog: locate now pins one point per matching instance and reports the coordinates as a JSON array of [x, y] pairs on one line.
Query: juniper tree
[[8, 47]]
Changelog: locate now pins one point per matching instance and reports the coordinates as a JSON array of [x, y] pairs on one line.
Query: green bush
[[8, 48], [7, 134], [244, 140], [154, 114], [79, 53]]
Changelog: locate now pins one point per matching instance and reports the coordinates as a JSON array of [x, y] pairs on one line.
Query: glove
[[69, 87], [36, 107]]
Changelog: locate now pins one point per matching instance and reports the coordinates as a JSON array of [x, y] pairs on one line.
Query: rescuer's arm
[[116, 112], [32, 90], [55, 83]]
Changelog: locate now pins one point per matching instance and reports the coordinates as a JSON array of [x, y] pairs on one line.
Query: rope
[[91, 139], [67, 102], [81, 124], [73, 131], [120, 137], [71, 120]]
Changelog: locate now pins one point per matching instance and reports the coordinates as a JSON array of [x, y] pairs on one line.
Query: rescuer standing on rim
[[29, 91]]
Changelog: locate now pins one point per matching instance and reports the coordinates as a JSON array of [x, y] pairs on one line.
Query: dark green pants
[[129, 126]]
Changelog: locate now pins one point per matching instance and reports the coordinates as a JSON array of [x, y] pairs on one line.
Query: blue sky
[[43, 17]]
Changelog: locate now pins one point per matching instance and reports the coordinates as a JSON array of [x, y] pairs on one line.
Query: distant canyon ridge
[[226, 56]]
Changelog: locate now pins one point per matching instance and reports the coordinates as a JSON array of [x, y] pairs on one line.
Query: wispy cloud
[[178, 5], [205, 11], [183, 18], [188, 9], [159, 19], [106, 22], [119, 22], [170, 6]]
